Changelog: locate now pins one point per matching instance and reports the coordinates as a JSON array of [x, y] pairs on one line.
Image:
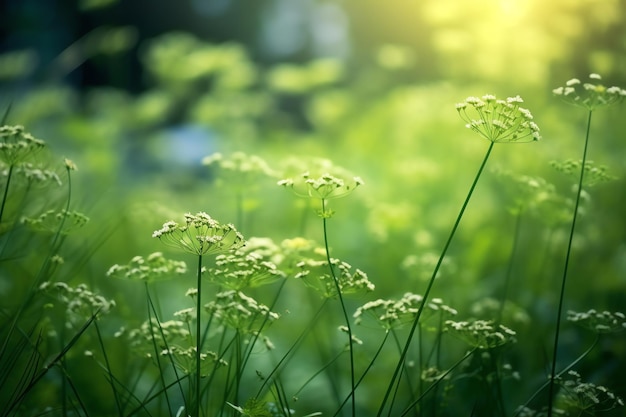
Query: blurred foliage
[[386, 112]]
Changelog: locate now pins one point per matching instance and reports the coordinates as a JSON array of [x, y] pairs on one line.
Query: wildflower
[[599, 321], [325, 181], [237, 310], [70, 165], [299, 245], [264, 247], [186, 314], [533, 194], [51, 220], [384, 311], [490, 307], [421, 266], [57, 259], [296, 249], [238, 271], [171, 338], [593, 174], [240, 170], [185, 359], [36, 175], [590, 95], [152, 268], [324, 187], [16, 145], [396, 313], [162, 334], [80, 303], [432, 374], [587, 397], [508, 372], [355, 339], [536, 196], [315, 274], [200, 235], [268, 343], [482, 334], [499, 121]]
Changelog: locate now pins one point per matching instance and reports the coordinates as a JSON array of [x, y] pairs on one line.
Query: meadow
[[312, 239]]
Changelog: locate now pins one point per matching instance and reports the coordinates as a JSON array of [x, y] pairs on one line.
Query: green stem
[[420, 358], [343, 308], [109, 372], [369, 366], [157, 353], [566, 267], [408, 380], [497, 383], [35, 378], [6, 191], [567, 368], [57, 240], [437, 352], [431, 282], [223, 348], [319, 371], [509, 270], [239, 373], [143, 403], [284, 360], [436, 383], [198, 334], [256, 334], [63, 366], [67, 210]]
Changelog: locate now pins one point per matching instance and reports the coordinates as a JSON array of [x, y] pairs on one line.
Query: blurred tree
[[497, 40]]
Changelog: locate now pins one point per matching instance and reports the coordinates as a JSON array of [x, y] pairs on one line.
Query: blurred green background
[[136, 93]]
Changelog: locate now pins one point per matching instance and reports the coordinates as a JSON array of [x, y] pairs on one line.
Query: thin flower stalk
[[436, 383], [590, 96], [519, 411], [498, 121], [200, 235], [323, 188], [56, 241], [152, 310], [289, 354], [343, 309], [429, 287], [367, 369]]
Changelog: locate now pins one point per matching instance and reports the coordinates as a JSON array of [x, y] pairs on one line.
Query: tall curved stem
[[198, 334], [566, 267], [432, 281], [343, 309]]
